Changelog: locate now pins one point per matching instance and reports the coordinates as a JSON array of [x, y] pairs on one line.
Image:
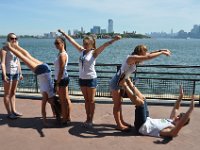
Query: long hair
[[63, 41], [139, 49]]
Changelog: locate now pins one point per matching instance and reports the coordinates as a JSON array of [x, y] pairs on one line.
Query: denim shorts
[[43, 68], [63, 82], [92, 83], [141, 114], [12, 77], [113, 84]]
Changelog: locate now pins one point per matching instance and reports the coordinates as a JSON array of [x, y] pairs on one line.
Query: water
[[184, 52]]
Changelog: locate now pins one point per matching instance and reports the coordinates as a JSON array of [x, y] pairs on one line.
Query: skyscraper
[[110, 26]]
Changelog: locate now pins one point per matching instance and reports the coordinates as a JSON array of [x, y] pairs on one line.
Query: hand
[[181, 91], [12, 45], [117, 37], [5, 79], [192, 103], [21, 77], [61, 31], [8, 44], [166, 52]]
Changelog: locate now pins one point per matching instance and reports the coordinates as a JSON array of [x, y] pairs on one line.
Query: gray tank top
[[11, 62]]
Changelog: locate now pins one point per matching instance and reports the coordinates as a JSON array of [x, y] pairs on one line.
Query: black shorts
[[63, 82]]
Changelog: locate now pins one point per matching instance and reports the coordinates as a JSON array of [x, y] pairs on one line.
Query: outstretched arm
[[172, 132], [102, 47], [176, 107], [160, 50], [71, 40], [138, 58]]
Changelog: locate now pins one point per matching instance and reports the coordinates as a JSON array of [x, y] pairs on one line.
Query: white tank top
[[152, 127], [127, 69], [87, 65], [57, 66], [11, 62]]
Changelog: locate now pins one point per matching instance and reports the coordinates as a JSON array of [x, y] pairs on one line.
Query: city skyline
[[27, 17]]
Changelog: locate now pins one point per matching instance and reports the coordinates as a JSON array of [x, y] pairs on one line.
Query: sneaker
[[87, 124], [12, 116], [18, 114]]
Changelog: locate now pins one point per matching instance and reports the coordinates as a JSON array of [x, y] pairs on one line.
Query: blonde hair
[[139, 49], [91, 39]]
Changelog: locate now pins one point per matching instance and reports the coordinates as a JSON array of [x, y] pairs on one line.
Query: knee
[[117, 106], [12, 93]]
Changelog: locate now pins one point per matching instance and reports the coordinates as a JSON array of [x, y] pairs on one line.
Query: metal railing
[[155, 81]]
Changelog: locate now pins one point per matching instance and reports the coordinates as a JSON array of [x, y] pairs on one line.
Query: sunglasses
[[86, 43], [13, 38]]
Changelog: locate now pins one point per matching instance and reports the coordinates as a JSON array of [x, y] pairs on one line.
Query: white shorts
[[46, 84]]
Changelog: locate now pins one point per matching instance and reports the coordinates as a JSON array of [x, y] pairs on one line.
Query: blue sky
[[36, 17]]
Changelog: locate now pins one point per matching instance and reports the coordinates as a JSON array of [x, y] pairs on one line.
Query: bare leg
[[27, 54], [43, 108], [26, 58], [134, 89], [89, 95], [135, 95], [65, 103], [69, 104], [7, 96], [13, 96], [117, 110]]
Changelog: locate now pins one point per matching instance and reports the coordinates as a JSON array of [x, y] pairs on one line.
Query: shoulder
[[131, 59]]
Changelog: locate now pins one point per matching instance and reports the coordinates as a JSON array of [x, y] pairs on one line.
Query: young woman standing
[[11, 74], [61, 80], [87, 72]]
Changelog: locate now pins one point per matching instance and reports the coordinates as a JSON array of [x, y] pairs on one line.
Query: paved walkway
[[27, 133]]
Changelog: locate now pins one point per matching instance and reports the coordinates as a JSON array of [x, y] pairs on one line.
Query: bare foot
[[126, 124], [123, 129]]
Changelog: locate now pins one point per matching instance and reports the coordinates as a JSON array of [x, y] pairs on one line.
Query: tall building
[[110, 26], [96, 30], [69, 32]]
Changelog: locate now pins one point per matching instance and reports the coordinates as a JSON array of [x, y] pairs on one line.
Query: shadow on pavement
[[34, 123], [98, 131]]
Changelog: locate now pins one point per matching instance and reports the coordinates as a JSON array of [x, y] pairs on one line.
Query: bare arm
[[176, 107], [155, 51], [71, 40], [62, 61], [172, 132], [3, 64], [148, 56], [102, 47], [20, 70]]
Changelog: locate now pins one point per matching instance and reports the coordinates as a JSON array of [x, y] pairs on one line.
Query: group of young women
[[11, 73]]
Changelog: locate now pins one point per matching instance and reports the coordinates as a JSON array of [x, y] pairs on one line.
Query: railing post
[[118, 67], [36, 84]]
